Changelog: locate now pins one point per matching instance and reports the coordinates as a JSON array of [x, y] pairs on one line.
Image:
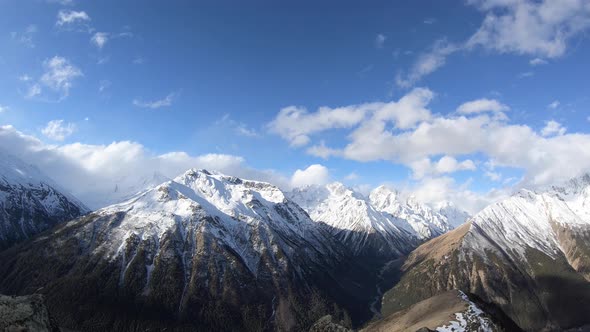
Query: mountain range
[[207, 251]]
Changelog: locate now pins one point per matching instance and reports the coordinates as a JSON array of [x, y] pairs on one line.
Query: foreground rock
[[448, 311], [25, 313]]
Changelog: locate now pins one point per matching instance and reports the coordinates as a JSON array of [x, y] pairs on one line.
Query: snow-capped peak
[[425, 222], [530, 219], [353, 219]]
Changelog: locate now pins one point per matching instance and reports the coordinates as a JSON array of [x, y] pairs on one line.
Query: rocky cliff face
[[527, 254], [204, 251], [30, 202]]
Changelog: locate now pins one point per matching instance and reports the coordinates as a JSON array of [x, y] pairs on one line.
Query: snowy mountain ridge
[[360, 220], [30, 202], [533, 219]]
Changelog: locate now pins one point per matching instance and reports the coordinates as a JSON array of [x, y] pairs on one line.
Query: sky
[[465, 101]]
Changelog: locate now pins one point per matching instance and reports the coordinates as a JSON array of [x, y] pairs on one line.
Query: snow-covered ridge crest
[[381, 220], [528, 219], [424, 220], [227, 207]]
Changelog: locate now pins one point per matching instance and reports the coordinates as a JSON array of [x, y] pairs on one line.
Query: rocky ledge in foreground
[[25, 313]]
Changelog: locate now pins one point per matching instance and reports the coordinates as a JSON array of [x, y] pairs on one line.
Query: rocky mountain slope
[[449, 311], [528, 254], [30, 202], [202, 252]]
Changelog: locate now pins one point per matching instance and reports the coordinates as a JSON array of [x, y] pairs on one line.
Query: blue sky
[[211, 78]]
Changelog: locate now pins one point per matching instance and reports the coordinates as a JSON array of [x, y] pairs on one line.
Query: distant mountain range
[[207, 251]]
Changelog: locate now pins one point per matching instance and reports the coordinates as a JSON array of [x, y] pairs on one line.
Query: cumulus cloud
[[99, 39], [68, 17], [553, 128], [58, 130], [102, 174], [427, 63], [296, 124], [444, 165], [165, 102], [482, 105], [546, 157], [540, 28], [313, 175]]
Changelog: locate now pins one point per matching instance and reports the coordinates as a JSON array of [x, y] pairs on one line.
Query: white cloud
[[537, 62], [33, 91], [165, 102], [66, 17], [3, 108], [553, 128], [25, 78], [92, 172], [554, 104], [539, 28], [543, 160], [58, 130], [238, 128], [296, 124], [100, 39], [445, 165], [437, 190], [427, 63], [429, 21], [313, 175], [482, 105], [380, 40], [59, 76], [494, 176]]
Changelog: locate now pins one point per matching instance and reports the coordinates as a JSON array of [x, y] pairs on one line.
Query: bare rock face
[[25, 313], [528, 255]]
